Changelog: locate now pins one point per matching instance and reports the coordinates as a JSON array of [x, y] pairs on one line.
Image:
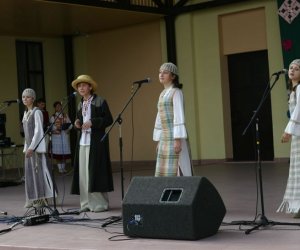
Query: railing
[[146, 3]]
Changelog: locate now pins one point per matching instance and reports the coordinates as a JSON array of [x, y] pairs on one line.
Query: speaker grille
[[171, 195]]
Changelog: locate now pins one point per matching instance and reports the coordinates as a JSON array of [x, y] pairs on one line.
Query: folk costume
[[38, 181], [60, 139], [170, 124], [291, 199], [92, 169]]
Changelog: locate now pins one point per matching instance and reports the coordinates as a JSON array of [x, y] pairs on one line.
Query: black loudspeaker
[[187, 208]]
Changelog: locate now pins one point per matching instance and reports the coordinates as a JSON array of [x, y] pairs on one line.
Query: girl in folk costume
[[38, 181], [60, 147], [92, 169], [173, 157], [291, 199]]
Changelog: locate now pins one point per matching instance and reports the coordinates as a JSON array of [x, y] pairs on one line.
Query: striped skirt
[[291, 199], [167, 159]]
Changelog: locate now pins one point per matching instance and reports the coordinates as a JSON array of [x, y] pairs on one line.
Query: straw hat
[[85, 79]]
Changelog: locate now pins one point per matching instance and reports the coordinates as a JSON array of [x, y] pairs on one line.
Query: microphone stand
[[55, 212], [118, 120], [263, 220], [5, 105]]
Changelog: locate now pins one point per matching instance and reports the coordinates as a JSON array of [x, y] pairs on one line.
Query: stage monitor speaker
[[187, 208]]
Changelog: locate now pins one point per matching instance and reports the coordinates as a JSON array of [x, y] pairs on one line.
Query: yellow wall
[[8, 86], [243, 31], [54, 68], [115, 59], [54, 71], [198, 49]]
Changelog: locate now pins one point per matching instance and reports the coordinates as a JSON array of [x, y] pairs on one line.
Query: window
[[30, 68]]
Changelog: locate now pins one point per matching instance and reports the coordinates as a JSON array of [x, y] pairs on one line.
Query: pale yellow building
[[118, 55]]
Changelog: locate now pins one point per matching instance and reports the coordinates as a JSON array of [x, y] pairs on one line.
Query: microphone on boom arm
[[283, 71], [12, 101], [147, 80]]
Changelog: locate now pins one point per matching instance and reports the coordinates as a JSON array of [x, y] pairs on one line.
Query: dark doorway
[[248, 79]]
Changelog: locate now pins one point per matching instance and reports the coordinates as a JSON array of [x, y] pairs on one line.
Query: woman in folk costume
[[38, 181], [173, 155], [291, 199], [92, 169], [60, 146]]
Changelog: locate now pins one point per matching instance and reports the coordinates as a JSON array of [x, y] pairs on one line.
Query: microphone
[[147, 80], [12, 101], [283, 71]]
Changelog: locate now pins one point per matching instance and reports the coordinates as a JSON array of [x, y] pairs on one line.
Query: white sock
[[59, 167]]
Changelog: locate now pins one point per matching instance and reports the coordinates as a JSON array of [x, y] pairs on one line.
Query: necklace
[[86, 105], [27, 114]]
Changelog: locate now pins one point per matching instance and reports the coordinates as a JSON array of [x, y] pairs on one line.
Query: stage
[[236, 183]]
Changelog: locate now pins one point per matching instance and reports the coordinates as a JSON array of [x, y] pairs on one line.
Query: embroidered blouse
[[293, 126], [86, 114]]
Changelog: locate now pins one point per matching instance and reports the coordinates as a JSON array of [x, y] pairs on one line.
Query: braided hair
[[176, 83]]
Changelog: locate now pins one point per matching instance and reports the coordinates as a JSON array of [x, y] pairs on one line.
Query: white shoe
[[40, 203], [28, 204]]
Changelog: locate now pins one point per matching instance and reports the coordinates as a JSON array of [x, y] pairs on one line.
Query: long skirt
[[168, 163], [38, 181], [291, 199]]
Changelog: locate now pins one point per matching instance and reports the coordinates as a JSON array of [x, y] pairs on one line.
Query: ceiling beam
[[166, 7], [121, 5], [181, 3], [159, 3], [204, 5]]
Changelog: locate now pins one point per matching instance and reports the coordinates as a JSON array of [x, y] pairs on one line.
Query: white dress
[[61, 141], [38, 181], [291, 199]]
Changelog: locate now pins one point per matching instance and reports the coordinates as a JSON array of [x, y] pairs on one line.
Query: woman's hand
[[285, 137], [29, 153], [86, 125], [77, 123], [177, 146]]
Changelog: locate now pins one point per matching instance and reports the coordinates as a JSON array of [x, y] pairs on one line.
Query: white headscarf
[[29, 92]]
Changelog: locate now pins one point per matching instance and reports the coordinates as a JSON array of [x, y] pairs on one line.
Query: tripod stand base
[[262, 222]]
